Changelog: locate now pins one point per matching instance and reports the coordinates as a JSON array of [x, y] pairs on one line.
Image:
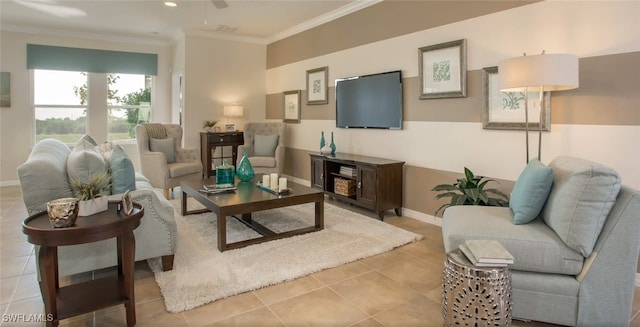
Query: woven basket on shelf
[[345, 187]]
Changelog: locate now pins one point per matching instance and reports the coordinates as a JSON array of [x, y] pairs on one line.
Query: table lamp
[[232, 111]]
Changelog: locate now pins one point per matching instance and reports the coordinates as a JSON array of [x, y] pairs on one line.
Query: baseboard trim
[[9, 183], [422, 217]]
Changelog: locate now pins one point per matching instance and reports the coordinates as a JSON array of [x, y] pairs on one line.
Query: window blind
[[90, 60]]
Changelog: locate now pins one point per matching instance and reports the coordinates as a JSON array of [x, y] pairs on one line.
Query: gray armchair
[[165, 163], [264, 143]]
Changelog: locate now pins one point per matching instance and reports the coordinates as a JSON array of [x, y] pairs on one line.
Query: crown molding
[[226, 36], [332, 15], [43, 30]]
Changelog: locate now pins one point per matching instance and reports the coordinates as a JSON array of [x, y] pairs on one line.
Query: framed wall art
[[291, 106], [505, 110], [5, 89], [317, 88], [443, 70]]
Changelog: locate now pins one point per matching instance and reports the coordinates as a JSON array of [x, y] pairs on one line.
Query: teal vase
[[224, 173], [322, 143], [244, 171], [333, 145]]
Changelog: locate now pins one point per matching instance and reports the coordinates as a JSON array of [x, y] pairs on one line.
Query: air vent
[[226, 29]]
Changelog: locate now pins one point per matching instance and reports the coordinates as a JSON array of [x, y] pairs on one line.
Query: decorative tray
[[276, 192]]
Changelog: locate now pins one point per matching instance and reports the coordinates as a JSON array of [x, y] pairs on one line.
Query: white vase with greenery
[[92, 194]]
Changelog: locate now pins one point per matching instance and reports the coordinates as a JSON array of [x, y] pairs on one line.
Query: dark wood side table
[[209, 142], [72, 300]]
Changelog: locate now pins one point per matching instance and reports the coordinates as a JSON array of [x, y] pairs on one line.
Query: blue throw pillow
[[123, 175], [166, 146], [265, 145], [530, 192]]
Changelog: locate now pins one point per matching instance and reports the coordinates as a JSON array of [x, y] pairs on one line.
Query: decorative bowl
[[63, 212]]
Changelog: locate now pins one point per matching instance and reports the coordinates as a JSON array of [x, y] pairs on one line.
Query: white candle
[[265, 180], [274, 181], [282, 184]]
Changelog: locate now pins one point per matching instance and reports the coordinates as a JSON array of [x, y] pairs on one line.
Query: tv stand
[[376, 182]]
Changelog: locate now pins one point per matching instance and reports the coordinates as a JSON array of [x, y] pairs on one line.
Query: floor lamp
[[545, 72]]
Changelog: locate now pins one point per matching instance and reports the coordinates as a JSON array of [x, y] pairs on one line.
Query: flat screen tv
[[370, 101]]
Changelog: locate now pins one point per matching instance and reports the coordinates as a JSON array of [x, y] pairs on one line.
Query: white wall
[[17, 125], [583, 28]]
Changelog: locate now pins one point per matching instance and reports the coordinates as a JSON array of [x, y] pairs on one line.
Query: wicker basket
[[345, 187]]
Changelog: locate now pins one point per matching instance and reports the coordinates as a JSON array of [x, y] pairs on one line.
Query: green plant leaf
[[444, 187]]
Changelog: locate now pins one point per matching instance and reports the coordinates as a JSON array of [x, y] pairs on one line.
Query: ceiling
[[261, 20]]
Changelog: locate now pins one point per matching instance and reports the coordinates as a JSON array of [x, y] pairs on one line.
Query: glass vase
[[224, 174], [322, 143], [333, 145], [244, 171]]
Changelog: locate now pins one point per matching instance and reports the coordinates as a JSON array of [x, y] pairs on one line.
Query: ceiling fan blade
[[220, 4]]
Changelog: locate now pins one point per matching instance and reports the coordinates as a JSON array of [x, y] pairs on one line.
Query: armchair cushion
[[263, 161], [123, 175], [179, 169], [85, 161], [530, 192], [265, 145], [581, 197], [165, 146]]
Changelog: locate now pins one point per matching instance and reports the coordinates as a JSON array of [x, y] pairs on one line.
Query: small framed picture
[[317, 88], [230, 127], [127, 204], [443, 70], [291, 106]]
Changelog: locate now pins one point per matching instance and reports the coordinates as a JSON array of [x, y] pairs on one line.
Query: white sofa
[[43, 177]]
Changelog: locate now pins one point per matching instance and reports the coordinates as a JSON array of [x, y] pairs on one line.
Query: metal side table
[[475, 296]]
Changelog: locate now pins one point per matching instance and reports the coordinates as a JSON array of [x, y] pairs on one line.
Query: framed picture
[[127, 204], [291, 106], [5, 89], [505, 110], [443, 70], [317, 88], [230, 127]]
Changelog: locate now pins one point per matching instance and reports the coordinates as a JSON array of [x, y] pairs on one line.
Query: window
[[63, 101], [59, 112], [129, 100]]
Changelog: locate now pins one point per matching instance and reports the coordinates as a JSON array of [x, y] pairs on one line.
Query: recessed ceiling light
[[170, 4]]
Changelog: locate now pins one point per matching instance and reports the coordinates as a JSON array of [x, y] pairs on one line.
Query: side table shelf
[[80, 298]]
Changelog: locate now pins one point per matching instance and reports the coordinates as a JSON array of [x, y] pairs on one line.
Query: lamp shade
[[233, 111], [552, 72]]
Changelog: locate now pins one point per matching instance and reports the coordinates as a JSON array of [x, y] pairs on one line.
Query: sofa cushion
[[530, 192], [43, 177], [581, 197], [265, 145], [534, 246], [88, 138], [105, 149], [84, 162], [166, 146], [123, 175]]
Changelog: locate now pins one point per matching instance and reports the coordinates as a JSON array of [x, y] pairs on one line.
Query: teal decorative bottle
[[333, 145], [322, 143], [244, 170]]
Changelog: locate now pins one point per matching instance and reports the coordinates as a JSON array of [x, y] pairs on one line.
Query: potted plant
[[470, 190], [92, 193], [209, 124]]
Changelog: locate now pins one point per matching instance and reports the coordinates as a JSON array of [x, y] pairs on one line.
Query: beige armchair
[[165, 163], [264, 143]]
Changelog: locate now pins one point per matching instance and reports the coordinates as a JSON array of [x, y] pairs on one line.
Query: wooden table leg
[[126, 257], [319, 213], [47, 264], [222, 230]]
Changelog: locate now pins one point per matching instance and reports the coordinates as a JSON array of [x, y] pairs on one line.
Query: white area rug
[[202, 274]]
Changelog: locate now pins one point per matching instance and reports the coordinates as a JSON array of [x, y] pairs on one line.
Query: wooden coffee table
[[248, 198]]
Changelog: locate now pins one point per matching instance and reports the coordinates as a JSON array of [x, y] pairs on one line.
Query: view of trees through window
[[61, 101]]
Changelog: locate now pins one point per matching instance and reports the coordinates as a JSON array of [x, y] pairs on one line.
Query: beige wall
[[17, 128], [220, 72], [599, 121]]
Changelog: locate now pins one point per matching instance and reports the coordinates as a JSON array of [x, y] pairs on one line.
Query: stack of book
[[486, 253], [348, 171]]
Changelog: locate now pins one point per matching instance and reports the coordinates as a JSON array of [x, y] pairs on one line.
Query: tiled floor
[[397, 288]]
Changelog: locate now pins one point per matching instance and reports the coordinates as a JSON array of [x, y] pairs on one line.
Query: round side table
[[475, 296], [68, 301]]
